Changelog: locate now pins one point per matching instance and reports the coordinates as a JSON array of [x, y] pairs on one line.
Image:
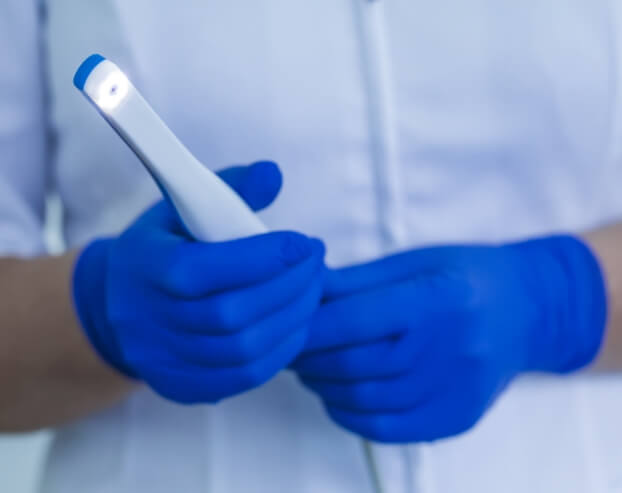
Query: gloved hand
[[196, 321], [417, 346]]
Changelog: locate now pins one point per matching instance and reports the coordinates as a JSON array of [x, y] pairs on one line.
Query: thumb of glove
[[258, 184]]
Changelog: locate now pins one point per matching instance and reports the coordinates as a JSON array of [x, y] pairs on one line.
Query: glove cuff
[[570, 289], [89, 297]]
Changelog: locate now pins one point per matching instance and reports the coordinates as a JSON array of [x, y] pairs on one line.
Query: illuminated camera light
[[112, 91]]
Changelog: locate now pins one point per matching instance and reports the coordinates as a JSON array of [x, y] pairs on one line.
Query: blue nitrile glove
[[417, 346], [197, 321]]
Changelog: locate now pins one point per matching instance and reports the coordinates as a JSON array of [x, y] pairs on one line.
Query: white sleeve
[[23, 149]]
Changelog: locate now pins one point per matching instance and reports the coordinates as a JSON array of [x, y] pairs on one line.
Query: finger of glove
[[430, 376], [374, 315], [194, 270], [234, 310], [243, 347], [382, 359], [190, 384], [447, 413], [389, 270]]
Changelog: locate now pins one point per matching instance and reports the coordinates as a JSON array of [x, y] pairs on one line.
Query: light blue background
[[21, 458]]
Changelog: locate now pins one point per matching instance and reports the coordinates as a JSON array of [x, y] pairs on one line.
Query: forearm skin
[[49, 374]]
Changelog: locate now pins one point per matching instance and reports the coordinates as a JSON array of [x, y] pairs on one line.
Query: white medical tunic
[[397, 123]]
